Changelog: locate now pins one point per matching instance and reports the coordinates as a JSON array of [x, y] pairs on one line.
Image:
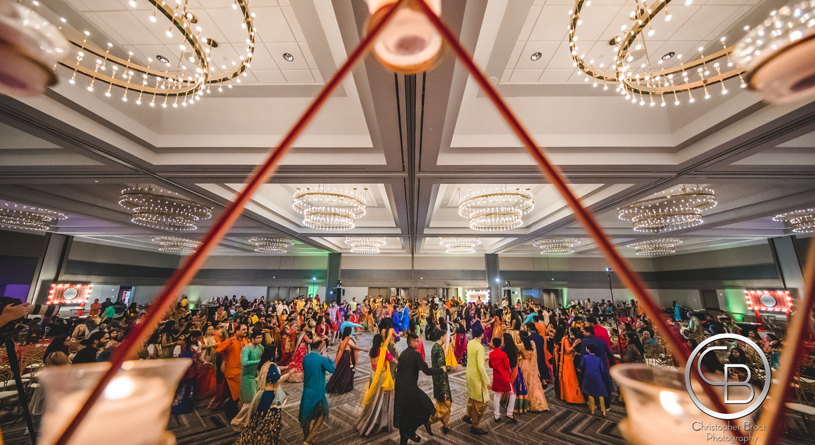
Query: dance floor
[[562, 424]]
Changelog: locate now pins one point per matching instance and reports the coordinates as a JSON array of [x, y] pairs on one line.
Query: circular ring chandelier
[[270, 245], [329, 209], [24, 217], [158, 78], [656, 247], [801, 221], [162, 209], [364, 245], [646, 82], [669, 210], [493, 211], [556, 246], [174, 244], [460, 245]]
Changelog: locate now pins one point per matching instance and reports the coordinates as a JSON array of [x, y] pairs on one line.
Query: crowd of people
[[243, 351]]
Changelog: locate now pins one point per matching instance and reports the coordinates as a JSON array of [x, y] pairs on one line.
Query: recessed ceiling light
[[288, 57], [536, 56], [668, 56], [162, 59]]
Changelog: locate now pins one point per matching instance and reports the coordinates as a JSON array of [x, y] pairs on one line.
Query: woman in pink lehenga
[[301, 349]]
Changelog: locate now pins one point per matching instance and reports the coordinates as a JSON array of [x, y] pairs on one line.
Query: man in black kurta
[[412, 408]]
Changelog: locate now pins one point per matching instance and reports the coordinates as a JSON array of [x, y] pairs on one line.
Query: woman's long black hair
[[511, 350], [375, 346]]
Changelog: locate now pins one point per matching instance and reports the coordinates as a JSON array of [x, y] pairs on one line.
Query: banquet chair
[[8, 389], [805, 402]]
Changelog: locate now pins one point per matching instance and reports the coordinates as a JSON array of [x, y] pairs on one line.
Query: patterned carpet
[[562, 424]]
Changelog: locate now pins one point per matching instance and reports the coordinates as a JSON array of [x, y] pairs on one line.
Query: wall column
[[50, 266], [789, 267], [493, 275], [332, 276]]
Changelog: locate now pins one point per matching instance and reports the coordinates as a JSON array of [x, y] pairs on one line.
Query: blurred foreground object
[[410, 43], [778, 54], [30, 46], [133, 410]]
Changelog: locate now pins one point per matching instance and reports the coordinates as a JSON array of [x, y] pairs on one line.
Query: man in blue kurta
[[603, 352], [313, 404]]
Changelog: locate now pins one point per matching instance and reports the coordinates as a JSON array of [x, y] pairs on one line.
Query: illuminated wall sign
[[474, 295], [768, 300], [69, 294]]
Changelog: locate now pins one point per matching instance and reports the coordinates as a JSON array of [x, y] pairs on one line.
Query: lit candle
[[132, 410]]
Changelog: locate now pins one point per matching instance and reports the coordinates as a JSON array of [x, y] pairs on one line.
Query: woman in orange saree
[[569, 387]]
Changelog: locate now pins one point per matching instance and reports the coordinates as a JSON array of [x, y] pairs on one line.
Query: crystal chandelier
[[460, 245], [647, 83], [162, 209], [493, 211], [656, 247], [174, 86], [364, 245], [19, 216], [801, 221], [173, 244], [329, 209], [556, 246], [669, 210], [270, 245]]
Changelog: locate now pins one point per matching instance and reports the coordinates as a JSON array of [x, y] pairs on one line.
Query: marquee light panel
[[768, 301]]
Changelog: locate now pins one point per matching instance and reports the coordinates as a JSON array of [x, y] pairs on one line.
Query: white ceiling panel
[[272, 25], [298, 76], [551, 24]]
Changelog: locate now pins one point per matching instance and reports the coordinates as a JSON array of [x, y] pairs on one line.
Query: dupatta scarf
[[382, 365]]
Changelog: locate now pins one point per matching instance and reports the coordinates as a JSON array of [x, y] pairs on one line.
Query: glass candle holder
[[409, 44], [660, 409], [133, 409], [30, 46], [778, 52]]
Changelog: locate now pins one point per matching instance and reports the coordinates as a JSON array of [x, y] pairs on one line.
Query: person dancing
[[412, 407], [313, 404], [377, 403], [441, 385]]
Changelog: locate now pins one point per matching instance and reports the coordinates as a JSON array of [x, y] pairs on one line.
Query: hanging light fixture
[[496, 210], [647, 81], [25, 217], [778, 54], [801, 221], [556, 246], [656, 247], [174, 244], [460, 245], [364, 245], [669, 210], [270, 245], [329, 208], [162, 209], [177, 83]]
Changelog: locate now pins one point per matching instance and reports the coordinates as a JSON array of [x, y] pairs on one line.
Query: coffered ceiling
[[413, 141]]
